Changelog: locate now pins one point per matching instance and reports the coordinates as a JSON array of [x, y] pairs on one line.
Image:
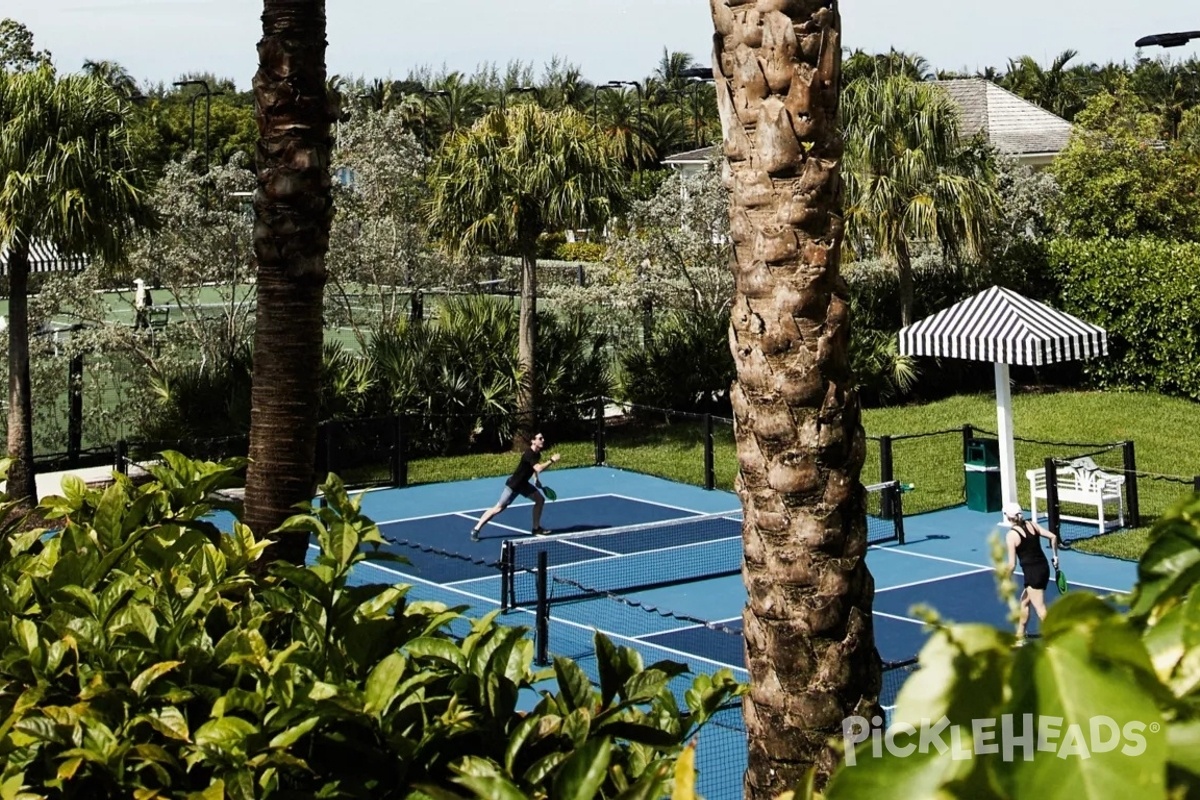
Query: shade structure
[[45, 257], [1003, 327]]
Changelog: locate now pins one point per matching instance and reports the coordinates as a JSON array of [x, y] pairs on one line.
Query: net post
[[897, 501], [710, 477], [506, 558], [75, 409], [121, 457], [1132, 507], [542, 633], [1053, 521], [886, 473], [601, 455]]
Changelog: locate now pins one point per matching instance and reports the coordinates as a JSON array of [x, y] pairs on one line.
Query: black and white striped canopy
[[1003, 327], [44, 257]]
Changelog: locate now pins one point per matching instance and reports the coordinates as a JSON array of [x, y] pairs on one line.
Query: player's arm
[[1053, 542], [1011, 539], [541, 465]]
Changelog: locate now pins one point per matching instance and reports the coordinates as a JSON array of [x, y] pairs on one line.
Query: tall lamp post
[[595, 95], [697, 77], [638, 87], [208, 96]]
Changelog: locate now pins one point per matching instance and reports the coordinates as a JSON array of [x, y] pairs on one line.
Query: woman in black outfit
[[1024, 545]]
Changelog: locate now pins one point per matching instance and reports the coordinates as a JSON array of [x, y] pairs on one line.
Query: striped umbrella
[[1003, 327], [45, 257]]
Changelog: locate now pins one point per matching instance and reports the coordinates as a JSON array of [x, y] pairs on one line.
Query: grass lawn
[[1158, 425]]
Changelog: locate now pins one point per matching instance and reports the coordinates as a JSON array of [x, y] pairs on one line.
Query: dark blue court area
[[670, 585]]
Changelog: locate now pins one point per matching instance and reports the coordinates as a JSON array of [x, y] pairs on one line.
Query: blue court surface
[[648, 588]]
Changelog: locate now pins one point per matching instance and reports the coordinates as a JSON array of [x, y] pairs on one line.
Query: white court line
[[694, 627], [468, 511], [674, 508], [897, 617], [976, 571], [979, 567]]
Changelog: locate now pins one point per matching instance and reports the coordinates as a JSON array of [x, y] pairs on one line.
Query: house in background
[[1014, 126]]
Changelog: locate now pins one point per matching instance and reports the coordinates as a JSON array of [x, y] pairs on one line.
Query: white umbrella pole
[[1004, 429]]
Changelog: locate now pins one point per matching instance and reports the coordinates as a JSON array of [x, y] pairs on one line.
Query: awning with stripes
[[1001, 326], [44, 257]]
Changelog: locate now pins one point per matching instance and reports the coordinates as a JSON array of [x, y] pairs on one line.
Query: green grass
[[1161, 427]]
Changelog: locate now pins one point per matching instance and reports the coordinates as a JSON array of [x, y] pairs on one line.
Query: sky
[[159, 40]]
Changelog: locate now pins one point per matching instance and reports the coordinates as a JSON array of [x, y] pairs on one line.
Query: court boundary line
[[461, 511], [695, 626], [910, 584], [674, 507], [1018, 571]]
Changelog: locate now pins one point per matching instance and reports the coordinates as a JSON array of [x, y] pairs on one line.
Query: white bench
[[1081, 482]]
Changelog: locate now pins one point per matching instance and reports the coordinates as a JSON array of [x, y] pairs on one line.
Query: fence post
[[75, 409], [1053, 521], [710, 475], [601, 455], [399, 456], [416, 307], [543, 612], [968, 433], [1132, 508], [886, 473], [580, 277], [121, 457], [1196, 483], [897, 494]]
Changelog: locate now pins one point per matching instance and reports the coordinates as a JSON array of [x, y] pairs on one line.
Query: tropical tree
[[72, 178], [16, 48], [810, 647], [293, 207], [512, 176], [1056, 88], [115, 75], [910, 179]]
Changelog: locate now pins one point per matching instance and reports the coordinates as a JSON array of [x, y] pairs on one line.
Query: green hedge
[[580, 251], [1145, 293]]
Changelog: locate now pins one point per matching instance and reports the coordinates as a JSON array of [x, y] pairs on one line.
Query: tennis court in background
[[656, 566]]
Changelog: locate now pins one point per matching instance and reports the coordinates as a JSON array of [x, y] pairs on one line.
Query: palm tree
[[810, 646], [72, 177], [115, 75], [910, 180], [1054, 88], [293, 207], [512, 176]]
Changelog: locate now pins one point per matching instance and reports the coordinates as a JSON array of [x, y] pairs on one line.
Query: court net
[[620, 560]]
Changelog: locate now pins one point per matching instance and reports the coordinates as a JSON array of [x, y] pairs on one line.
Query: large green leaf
[[382, 683], [574, 684], [151, 674], [580, 776], [442, 649]]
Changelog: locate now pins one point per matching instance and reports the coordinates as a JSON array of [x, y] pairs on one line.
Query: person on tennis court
[[1024, 545], [529, 466]]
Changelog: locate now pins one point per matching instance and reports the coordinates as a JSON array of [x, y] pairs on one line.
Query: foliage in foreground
[[141, 658], [1105, 704]]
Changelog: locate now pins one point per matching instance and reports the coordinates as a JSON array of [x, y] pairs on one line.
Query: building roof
[[1012, 124], [44, 257]]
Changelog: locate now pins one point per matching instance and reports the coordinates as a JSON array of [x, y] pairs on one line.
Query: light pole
[[637, 153], [595, 95], [516, 90], [696, 77], [208, 96], [1167, 39]]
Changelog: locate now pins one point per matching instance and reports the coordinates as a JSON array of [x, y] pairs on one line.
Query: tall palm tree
[[293, 207], [810, 646], [1055, 88], [70, 175], [510, 177], [115, 75], [910, 179]]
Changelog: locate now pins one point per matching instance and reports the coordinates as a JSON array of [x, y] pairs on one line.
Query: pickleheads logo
[[1010, 737]]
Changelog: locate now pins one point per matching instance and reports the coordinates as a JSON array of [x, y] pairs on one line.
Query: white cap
[[1012, 509], [138, 282]]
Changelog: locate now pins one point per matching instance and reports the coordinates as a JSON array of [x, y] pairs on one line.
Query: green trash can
[[983, 475]]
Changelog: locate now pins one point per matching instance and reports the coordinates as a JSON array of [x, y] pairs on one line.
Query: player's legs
[[506, 498], [539, 503], [1024, 618], [1037, 599]]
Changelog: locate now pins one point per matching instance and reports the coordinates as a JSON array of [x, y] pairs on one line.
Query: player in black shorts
[[1024, 545], [530, 466]]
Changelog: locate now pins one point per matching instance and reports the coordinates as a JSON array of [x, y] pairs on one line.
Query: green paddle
[[1060, 580], [546, 490]]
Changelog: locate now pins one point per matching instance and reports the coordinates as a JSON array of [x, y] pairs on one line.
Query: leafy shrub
[[1143, 292], [141, 658], [686, 366], [580, 251]]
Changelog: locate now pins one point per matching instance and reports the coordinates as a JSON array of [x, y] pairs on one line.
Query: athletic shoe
[[474, 535], [541, 532]]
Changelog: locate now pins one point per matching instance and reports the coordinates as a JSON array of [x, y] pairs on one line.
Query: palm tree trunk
[[21, 483], [810, 646], [293, 211], [527, 344], [907, 287]]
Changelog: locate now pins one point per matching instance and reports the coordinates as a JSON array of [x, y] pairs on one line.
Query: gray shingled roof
[[1013, 125]]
